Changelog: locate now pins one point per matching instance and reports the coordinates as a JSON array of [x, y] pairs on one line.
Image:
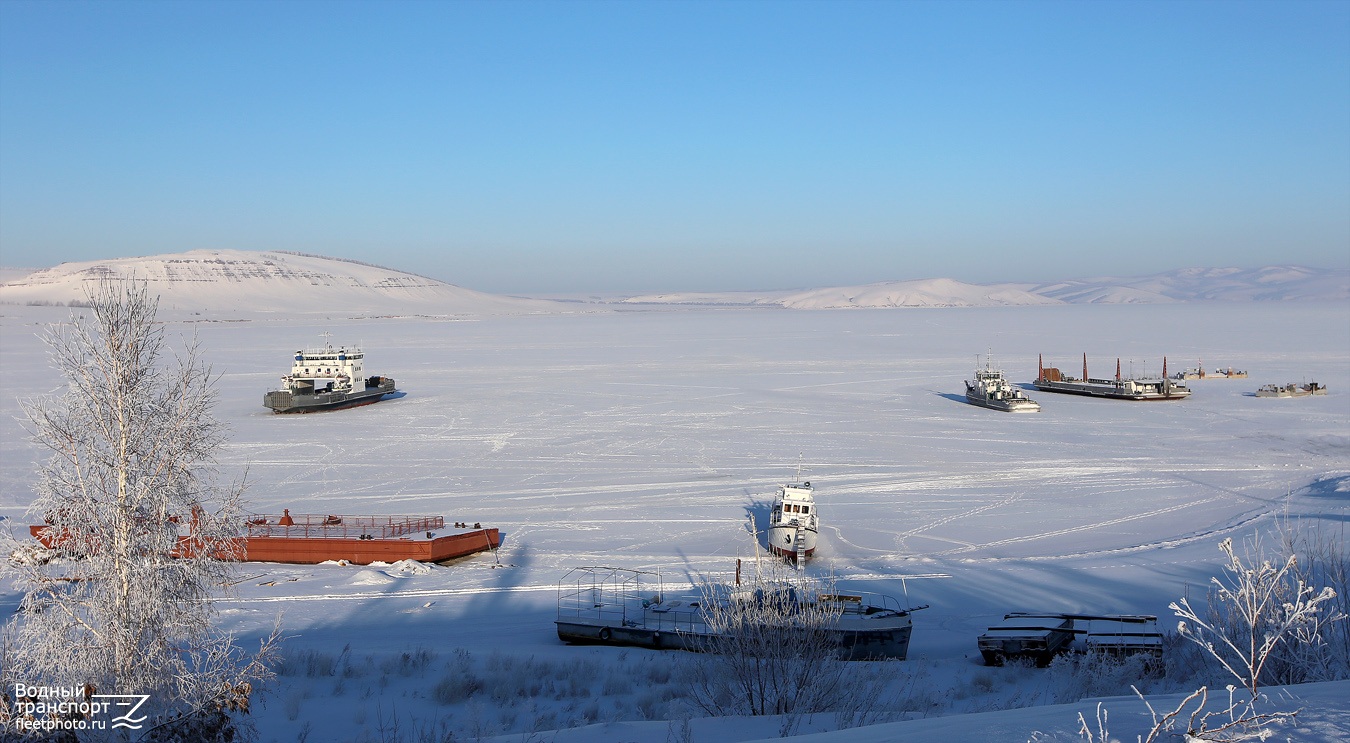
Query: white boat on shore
[[794, 524]]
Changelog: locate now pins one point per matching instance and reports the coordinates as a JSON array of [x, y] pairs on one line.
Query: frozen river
[[651, 437]]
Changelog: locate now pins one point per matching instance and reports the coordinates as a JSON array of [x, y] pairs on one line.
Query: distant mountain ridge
[[299, 283], [267, 281], [1269, 283]]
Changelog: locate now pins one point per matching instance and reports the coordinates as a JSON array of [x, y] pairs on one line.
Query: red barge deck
[[309, 539]]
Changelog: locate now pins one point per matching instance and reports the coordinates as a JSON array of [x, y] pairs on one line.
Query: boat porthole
[[605, 634]]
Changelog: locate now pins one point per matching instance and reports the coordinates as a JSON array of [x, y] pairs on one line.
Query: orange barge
[[309, 539]]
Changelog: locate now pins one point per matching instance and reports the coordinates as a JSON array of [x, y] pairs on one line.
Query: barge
[[1051, 379], [309, 539], [604, 605]]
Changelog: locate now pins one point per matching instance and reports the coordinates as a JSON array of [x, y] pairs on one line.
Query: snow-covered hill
[[917, 293], [1271, 283], [922, 293], [281, 282], [271, 281]]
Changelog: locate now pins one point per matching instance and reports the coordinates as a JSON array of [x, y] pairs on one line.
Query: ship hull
[[1109, 390], [285, 401], [1019, 405], [1292, 391], [781, 541], [854, 640], [312, 550]]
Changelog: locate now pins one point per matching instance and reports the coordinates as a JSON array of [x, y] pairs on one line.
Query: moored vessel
[[990, 389], [327, 379], [1199, 373], [309, 539], [794, 524], [612, 606], [1292, 390], [1051, 379]]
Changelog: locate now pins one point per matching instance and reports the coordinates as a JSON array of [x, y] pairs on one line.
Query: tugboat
[[327, 379], [1050, 379], [793, 523], [992, 390]]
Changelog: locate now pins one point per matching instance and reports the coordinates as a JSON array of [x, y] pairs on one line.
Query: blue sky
[[624, 146]]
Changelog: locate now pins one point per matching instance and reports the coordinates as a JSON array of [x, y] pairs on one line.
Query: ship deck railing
[[337, 526]]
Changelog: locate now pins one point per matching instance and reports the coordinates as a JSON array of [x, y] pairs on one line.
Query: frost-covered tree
[[117, 591]]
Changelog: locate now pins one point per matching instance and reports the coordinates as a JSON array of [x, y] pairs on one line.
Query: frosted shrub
[[1265, 618], [409, 662], [1263, 613], [1321, 558], [455, 688], [771, 652], [616, 683], [1094, 674]]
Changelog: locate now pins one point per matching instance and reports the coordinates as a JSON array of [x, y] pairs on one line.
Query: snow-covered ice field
[[648, 437]]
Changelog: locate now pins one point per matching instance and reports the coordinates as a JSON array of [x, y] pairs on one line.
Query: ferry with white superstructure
[[327, 379], [992, 390]]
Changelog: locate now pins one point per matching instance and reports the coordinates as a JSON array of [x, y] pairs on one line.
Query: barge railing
[[336, 526]]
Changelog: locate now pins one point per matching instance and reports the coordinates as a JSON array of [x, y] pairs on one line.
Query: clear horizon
[[591, 147]]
